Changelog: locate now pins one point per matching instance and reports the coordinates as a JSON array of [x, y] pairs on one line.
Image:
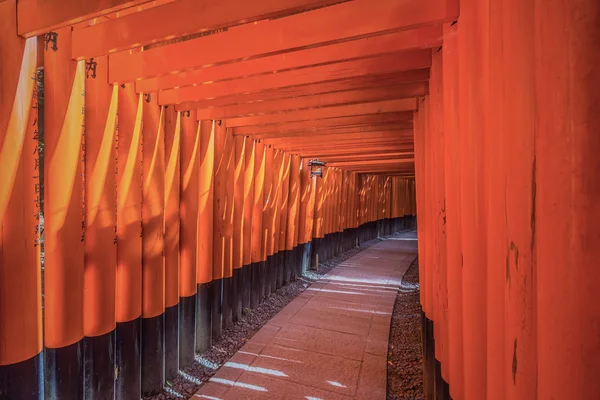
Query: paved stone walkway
[[331, 341]]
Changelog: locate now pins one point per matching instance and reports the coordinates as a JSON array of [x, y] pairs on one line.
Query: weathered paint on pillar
[[565, 190]]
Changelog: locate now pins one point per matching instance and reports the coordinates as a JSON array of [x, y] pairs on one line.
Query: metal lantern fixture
[[316, 167]]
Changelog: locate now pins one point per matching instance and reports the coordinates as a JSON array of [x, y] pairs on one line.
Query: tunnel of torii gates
[[165, 146]]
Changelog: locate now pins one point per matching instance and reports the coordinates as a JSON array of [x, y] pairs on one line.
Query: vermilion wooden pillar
[[153, 269], [284, 272], [291, 238], [258, 238], [276, 209], [566, 190], [238, 225], [229, 201], [129, 244], [188, 245], [436, 91], [473, 44], [204, 256], [219, 228], [100, 221], [247, 269], [452, 188], [20, 201], [64, 232], [267, 221], [159, 323], [498, 138]]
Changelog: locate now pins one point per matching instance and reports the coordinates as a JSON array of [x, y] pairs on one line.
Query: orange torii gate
[[166, 175]]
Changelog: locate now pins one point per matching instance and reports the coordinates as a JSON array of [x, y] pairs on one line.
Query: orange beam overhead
[[374, 156], [356, 83], [176, 19], [385, 127], [323, 153], [322, 100], [327, 123], [346, 164], [36, 17], [328, 112], [350, 144], [396, 62], [407, 134], [422, 38], [350, 20]]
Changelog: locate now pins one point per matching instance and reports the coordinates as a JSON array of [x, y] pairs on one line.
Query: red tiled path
[[331, 341]]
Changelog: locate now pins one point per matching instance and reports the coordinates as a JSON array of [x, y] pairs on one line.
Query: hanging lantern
[[316, 167]]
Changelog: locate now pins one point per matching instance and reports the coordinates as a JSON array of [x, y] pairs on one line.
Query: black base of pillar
[[428, 346], [171, 341], [187, 330], [203, 317], [22, 380], [442, 390], [236, 295], [99, 367], [267, 276], [254, 284], [227, 302], [288, 265], [128, 383], [280, 269], [153, 378], [315, 256], [63, 372], [262, 280], [246, 279], [217, 311], [306, 256]]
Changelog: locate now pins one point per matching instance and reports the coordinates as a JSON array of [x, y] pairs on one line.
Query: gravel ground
[[405, 370], [206, 364]]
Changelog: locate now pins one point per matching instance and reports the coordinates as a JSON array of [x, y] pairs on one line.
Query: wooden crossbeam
[[377, 127], [366, 47], [389, 63], [344, 144], [351, 20], [347, 122], [350, 164], [338, 86], [328, 112], [373, 156], [176, 19], [408, 133], [36, 17], [323, 153], [317, 101]]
